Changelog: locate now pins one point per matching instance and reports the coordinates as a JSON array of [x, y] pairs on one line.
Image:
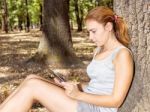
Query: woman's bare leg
[[52, 97], [18, 88]]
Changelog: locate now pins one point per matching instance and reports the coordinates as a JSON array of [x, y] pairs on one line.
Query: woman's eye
[[93, 31], [88, 33]]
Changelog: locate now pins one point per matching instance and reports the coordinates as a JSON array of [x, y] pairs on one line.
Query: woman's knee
[[28, 85], [32, 76], [32, 81]]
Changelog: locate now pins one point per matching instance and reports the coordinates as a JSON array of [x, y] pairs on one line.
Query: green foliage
[[108, 3], [34, 11], [17, 10], [85, 6]]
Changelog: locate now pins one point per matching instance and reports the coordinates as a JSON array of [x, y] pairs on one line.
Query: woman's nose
[[91, 37]]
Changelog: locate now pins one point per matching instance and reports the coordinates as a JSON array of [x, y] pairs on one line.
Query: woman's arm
[[84, 84], [123, 76]]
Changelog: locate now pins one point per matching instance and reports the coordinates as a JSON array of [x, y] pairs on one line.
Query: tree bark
[[27, 17], [20, 21], [4, 16], [79, 15], [41, 18], [137, 14], [56, 43]]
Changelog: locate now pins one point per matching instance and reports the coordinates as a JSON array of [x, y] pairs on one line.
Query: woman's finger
[[57, 81]]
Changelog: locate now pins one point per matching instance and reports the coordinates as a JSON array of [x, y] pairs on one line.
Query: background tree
[[0, 14], [25, 14], [22, 14], [108, 3], [79, 15], [56, 43], [78, 10], [4, 15], [40, 16], [136, 12], [35, 12], [27, 17], [12, 15]]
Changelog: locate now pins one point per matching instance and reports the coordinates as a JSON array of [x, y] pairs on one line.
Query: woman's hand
[[57, 81], [71, 89]]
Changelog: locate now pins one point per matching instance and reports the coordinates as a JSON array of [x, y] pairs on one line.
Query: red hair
[[104, 15]]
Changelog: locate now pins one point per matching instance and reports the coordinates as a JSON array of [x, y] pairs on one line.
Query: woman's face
[[97, 32]]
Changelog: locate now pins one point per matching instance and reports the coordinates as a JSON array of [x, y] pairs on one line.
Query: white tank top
[[102, 74]]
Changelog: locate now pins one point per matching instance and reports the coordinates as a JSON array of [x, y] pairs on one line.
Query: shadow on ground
[[17, 47]]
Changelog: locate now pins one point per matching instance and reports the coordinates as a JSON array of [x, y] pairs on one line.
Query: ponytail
[[121, 31], [104, 15]]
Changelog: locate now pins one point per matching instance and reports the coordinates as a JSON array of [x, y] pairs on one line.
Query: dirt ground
[[17, 47]]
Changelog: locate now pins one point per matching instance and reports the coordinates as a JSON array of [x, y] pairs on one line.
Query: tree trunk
[[136, 13], [41, 21], [27, 17], [108, 3], [56, 44], [96, 2], [79, 14], [20, 21], [4, 16]]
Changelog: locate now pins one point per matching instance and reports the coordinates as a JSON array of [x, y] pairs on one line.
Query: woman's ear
[[109, 26]]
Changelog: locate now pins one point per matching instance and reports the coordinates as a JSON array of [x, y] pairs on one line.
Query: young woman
[[110, 71]]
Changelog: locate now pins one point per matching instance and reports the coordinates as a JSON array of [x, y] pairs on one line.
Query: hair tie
[[116, 18]]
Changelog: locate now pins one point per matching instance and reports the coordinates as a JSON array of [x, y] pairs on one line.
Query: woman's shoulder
[[123, 53]]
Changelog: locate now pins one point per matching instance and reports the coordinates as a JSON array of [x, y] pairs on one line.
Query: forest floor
[[17, 47]]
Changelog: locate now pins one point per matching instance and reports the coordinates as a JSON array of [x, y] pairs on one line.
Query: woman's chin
[[97, 44]]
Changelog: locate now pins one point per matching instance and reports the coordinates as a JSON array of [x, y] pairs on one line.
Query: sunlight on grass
[[2, 74], [78, 39], [19, 51], [16, 37], [4, 69], [17, 47]]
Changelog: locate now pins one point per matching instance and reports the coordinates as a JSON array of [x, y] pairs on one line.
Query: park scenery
[[43, 37]]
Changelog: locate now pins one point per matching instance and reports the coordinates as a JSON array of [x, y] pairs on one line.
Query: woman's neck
[[111, 43]]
